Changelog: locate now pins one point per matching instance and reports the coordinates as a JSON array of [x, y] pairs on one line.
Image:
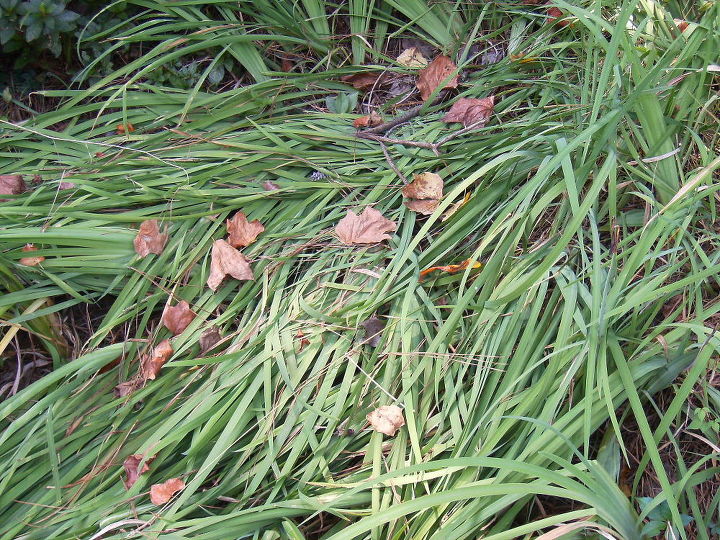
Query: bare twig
[[392, 163]]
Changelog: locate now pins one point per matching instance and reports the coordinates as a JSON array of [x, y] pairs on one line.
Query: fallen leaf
[[555, 16], [11, 184], [373, 331], [242, 232], [424, 193], [286, 65], [386, 419], [123, 129], [412, 58], [471, 111], [270, 186], [66, 185], [451, 268], [304, 342], [369, 227], [681, 24], [439, 71], [31, 261], [178, 317], [131, 464], [227, 261], [162, 493], [362, 81], [152, 363], [425, 207], [126, 388], [426, 185], [371, 120], [209, 338], [455, 207], [149, 239]]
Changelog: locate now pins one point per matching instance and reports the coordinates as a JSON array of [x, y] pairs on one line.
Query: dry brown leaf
[[373, 331], [209, 338], [31, 261], [555, 16], [451, 268], [227, 261], [270, 186], [124, 129], [304, 341], [11, 184], [131, 464], [412, 58], [362, 81], [386, 419], [426, 185], [369, 227], [162, 493], [126, 388], [424, 193], [423, 206], [371, 120], [149, 239], [178, 317], [471, 111], [437, 72], [152, 363], [242, 232], [66, 185]]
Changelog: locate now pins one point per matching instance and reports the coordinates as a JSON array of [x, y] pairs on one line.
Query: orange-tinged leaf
[[371, 120], [362, 81], [242, 232], [425, 185], [152, 363], [178, 317], [149, 239], [386, 419], [162, 493], [227, 261], [471, 111], [31, 261], [123, 129], [555, 16], [439, 71], [451, 268], [422, 206], [131, 465], [369, 227]]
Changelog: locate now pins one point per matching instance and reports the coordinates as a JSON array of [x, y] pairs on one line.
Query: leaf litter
[[178, 317], [149, 239], [471, 111], [32, 260], [439, 71], [227, 261], [151, 364], [386, 419], [162, 493], [242, 232], [131, 465], [424, 193], [370, 227]]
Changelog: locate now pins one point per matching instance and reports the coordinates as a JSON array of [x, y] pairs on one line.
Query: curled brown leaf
[[362, 81], [177, 318], [369, 227], [424, 193], [132, 473], [11, 184], [227, 261], [439, 71], [371, 120], [151, 364], [242, 232], [149, 239], [32, 260], [386, 419], [162, 493], [471, 111]]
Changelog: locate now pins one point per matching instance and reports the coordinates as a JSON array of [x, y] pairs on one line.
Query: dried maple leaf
[[451, 268], [31, 261], [149, 239], [11, 184], [362, 81], [178, 317], [386, 419], [242, 232], [371, 120], [131, 464], [439, 71], [369, 227], [412, 58], [209, 338], [227, 261], [162, 493], [152, 363], [373, 331], [424, 193], [471, 111]]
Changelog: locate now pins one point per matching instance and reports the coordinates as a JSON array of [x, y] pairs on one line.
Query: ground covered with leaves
[[407, 269]]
